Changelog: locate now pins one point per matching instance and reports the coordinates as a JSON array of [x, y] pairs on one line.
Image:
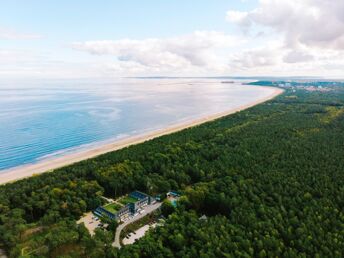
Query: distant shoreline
[[17, 173]]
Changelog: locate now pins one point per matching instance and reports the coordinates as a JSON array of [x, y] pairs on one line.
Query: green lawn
[[127, 199], [113, 207]]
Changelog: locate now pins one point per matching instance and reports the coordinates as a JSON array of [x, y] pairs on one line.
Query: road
[[148, 209]]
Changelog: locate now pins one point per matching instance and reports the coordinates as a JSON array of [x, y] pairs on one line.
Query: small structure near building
[[172, 194], [173, 197]]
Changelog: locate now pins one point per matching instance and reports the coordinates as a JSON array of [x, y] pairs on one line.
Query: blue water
[[40, 120]]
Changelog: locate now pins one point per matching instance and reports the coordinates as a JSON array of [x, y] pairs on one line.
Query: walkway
[[109, 200], [148, 209]]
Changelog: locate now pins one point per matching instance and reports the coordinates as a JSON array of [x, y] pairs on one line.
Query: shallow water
[[44, 120]]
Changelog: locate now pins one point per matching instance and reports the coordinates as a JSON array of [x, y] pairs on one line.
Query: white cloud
[[295, 38], [282, 37], [297, 56], [254, 58], [25, 63], [8, 34], [314, 23], [273, 58], [193, 52], [239, 18]]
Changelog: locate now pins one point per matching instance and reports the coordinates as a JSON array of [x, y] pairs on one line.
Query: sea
[[40, 120]]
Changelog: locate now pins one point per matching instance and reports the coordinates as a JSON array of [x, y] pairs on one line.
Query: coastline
[[21, 172]]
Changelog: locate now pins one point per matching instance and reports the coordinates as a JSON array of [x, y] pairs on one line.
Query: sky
[[103, 38]]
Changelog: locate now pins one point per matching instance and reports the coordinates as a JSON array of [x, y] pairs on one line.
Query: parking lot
[[132, 237], [148, 209], [91, 222]]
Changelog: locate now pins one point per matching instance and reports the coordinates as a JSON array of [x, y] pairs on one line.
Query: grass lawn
[[113, 207], [127, 199]]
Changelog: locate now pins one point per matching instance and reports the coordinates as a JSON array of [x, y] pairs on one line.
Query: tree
[[167, 208]]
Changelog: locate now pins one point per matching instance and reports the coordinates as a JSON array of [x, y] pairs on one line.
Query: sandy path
[[21, 172]]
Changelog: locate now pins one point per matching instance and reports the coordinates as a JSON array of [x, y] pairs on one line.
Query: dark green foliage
[[167, 208], [270, 180]]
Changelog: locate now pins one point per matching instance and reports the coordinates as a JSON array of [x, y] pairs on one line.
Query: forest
[[270, 180]]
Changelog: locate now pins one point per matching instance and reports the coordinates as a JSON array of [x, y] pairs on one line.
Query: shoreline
[[25, 171]]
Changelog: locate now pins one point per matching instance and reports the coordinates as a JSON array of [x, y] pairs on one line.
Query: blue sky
[[85, 20], [119, 38]]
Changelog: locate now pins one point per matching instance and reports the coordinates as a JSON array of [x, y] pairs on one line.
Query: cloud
[[26, 63], [272, 53], [193, 51], [273, 58], [298, 56], [255, 58], [314, 23], [294, 38], [239, 18], [8, 34], [281, 36]]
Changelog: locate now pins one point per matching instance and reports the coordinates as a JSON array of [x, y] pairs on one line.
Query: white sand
[[21, 172]]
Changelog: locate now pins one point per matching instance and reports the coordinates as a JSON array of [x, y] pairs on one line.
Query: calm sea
[[43, 120]]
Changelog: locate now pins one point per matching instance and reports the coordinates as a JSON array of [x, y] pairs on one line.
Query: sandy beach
[[21, 172]]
